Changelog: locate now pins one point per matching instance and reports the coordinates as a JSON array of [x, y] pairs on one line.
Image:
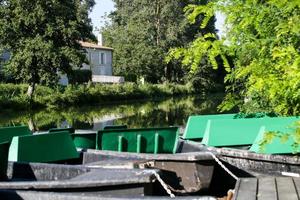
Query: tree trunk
[[168, 72], [32, 125], [158, 10], [30, 90]]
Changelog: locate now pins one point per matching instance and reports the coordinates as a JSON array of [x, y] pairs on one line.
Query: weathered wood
[[267, 189], [184, 172], [91, 155], [297, 185], [253, 163], [246, 189], [286, 189]]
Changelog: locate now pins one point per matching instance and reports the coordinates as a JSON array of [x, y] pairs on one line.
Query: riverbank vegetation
[[260, 50], [171, 44], [142, 32], [14, 96]]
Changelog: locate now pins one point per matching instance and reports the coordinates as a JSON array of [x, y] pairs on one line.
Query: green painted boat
[[84, 140], [277, 139], [57, 146], [88, 140], [196, 125], [146, 140], [239, 132], [7, 133], [4, 148]]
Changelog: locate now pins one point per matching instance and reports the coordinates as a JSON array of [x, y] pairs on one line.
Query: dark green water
[[169, 112]]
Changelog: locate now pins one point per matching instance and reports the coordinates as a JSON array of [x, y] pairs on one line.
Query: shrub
[[80, 76], [75, 95]]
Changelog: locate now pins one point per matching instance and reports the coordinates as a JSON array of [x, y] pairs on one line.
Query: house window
[[102, 58]]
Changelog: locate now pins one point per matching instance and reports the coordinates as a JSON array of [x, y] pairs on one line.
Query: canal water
[[158, 113]]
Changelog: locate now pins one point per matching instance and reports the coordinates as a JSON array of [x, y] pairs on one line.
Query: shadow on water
[[167, 112]]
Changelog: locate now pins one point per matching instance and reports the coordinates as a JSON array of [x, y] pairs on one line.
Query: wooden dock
[[267, 188]]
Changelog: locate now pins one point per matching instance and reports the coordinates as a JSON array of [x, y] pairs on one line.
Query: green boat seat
[[4, 147], [238, 132], [196, 125], [146, 140], [84, 140], [277, 139], [54, 130], [115, 127], [7, 133], [43, 148]]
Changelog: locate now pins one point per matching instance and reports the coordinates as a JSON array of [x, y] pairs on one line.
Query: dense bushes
[[80, 76], [14, 96]]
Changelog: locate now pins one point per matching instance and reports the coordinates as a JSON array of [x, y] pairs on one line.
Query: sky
[[100, 9], [103, 7]]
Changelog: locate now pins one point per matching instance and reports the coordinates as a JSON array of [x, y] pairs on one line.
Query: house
[[100, 63]]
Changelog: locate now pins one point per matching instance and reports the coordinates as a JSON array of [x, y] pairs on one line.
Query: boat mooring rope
[[222, 165], [165, 186]]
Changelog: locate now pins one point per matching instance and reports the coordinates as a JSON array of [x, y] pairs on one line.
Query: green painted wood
[[196, 125], [115, 127], [277, 139], [54, 130], [7, 133], [237, 132], [43, 148], [84, 140], [146, 140], [4, 147]]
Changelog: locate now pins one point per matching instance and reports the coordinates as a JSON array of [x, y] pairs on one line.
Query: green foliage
[[263, 39], [141, 33], [14, 96], [42, 37], [80, 76]]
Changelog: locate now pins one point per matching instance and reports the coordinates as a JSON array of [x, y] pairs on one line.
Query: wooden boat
[[183, 172], [258, 146], [180, 173], [65, 179], [245, 163]]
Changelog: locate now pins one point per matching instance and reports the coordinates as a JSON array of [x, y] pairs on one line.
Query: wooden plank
[[247, 189], [297, 185], [236, 189], [286, 188], [267, 189]]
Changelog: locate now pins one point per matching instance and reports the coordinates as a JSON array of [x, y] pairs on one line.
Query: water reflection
[[170, 112]]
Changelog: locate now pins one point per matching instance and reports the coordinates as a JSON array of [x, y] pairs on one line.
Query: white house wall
[[94, 57]]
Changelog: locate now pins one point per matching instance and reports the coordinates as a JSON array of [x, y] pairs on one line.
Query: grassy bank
[[14, 96]]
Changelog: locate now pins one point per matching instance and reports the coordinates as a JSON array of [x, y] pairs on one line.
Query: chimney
[[100, 39]]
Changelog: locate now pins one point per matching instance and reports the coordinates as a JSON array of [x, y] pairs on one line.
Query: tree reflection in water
[[169, 112]]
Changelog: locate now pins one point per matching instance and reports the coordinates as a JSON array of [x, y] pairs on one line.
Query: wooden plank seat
[[267, 188]]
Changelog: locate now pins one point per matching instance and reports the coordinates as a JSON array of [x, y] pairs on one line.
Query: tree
[[142, 32], [42, 37], [263, 40]]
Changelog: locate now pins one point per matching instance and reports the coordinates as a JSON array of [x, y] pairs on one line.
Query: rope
[[165, 186], [223, 166]]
